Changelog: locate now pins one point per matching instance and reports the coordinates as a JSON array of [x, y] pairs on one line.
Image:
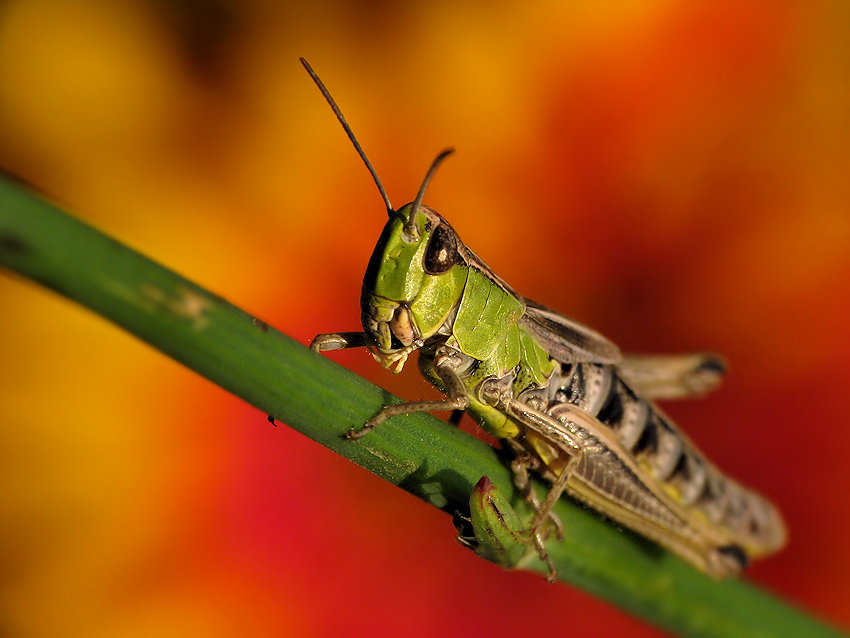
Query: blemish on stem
[[13, 245], [183, 302]]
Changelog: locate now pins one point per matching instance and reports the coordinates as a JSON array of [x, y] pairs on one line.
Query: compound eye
[[441, 251]]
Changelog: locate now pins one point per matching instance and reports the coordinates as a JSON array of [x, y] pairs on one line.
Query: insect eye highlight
[[441, 251]]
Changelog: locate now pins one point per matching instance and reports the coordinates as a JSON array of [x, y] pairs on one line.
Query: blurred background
[[673, 174]]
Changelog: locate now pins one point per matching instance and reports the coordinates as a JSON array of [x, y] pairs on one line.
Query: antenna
[[350, 133], [410, 230]]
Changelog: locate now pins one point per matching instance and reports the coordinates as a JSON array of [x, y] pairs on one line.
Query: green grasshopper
[[559, 395]]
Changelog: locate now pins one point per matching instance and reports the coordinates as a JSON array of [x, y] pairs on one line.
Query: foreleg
[[446, 363]]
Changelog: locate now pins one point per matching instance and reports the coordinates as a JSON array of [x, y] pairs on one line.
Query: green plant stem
[[322, 400]]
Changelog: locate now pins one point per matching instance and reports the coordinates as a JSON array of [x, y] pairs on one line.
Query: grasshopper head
[[417, 272], [413, 284]]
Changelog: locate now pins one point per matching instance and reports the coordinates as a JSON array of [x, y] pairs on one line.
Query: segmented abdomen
[[658, 447]]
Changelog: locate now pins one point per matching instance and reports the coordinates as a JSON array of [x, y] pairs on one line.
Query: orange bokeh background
[[673, 174]]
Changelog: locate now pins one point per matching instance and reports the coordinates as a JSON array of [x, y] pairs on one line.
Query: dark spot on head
[[441, 251]]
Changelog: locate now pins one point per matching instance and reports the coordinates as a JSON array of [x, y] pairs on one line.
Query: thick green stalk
[[418, 453]]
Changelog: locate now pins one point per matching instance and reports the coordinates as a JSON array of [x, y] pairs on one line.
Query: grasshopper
[[557, 394]]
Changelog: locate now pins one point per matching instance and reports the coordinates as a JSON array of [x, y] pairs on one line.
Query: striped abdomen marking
[[658, 447]]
